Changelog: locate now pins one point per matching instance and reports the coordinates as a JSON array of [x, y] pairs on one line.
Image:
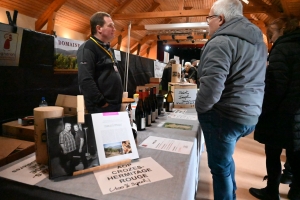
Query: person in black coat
[[279, 124], [167, 75]]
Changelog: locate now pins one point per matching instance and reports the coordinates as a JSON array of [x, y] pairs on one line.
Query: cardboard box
[[184, 95], [155, 80], [13, 149], [153, 85], [68, 102], [15, 130]]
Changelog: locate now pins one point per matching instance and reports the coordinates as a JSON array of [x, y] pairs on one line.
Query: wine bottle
[[155, 100], [160, 100], [169, 101], [140, 114], [152, 104], [129, 111], [147, 107]]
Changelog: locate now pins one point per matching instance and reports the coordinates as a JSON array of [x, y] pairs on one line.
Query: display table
[[184, 169]]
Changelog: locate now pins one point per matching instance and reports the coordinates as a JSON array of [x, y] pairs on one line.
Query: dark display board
[[23, 86]]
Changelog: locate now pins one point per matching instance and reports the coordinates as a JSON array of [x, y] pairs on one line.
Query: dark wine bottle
[[152, 104], [140, 113], [160, 100], [155, 100], [147, 107], [129, 111], [169, 101]]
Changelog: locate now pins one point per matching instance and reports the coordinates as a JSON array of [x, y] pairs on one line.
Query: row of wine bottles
[[147, 109]]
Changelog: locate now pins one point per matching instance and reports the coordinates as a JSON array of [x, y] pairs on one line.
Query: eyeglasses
[[208, 18]]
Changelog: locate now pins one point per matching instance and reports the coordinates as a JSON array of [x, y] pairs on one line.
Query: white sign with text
[[131, 175], [185, 96], [10, 45], [26, 171]]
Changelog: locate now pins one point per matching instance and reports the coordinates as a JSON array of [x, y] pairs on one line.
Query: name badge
[[116, 68]]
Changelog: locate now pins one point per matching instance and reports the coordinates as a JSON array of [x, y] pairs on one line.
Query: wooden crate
[[155, 80], [15, 130]]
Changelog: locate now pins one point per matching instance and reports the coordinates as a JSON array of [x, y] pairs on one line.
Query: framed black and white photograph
[[71, 146]]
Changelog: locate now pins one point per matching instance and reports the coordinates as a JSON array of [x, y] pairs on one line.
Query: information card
[[131, 175], [26, 171], [167, 144]]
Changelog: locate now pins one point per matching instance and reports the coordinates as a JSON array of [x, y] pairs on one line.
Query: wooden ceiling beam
[[114, 2], [143, 41], [285, 7], [43, 19], [181, 4], [115, 40], [180, 13], [138, 27], [181, 37], [123, 6], [272, 11], [182, 42], [51, 23], [151, 9]]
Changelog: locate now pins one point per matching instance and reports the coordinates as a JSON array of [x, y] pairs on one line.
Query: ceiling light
[[176, 26]]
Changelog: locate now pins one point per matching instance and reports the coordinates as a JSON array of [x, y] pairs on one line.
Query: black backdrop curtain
[[22, 87]]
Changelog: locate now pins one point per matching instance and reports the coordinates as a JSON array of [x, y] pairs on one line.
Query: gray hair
[[229, 8]]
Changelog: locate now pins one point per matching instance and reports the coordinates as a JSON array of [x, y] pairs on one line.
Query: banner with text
[[65, 53]]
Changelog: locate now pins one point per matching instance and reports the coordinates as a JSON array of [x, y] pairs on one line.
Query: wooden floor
[[250, 165]]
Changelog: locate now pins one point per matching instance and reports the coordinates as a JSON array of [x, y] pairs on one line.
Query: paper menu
[[167, 144]]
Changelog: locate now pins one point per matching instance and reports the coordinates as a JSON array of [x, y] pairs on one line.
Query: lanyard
[[108, 52]]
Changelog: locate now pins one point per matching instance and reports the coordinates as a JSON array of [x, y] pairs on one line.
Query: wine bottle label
[[149, 120], [153, 116], [171, 106], [143, 123], [156, 112]]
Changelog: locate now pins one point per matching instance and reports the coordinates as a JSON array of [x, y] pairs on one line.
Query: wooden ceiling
[[75, 14]]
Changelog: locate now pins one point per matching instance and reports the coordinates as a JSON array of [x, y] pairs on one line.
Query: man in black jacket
[[98, 75]]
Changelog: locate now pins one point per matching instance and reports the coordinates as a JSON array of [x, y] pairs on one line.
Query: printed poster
[[158, 69], [10, 45], [132, 175]]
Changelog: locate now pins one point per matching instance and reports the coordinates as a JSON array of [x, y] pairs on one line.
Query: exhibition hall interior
[[58, 139]]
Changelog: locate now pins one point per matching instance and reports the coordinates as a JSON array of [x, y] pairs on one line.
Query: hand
[[80, 150], [105, 105]]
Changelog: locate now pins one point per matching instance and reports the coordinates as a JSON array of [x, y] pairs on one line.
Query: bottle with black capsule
[[147, 107], [153, 106], [155, 101], [140, 118], [129, 111]]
